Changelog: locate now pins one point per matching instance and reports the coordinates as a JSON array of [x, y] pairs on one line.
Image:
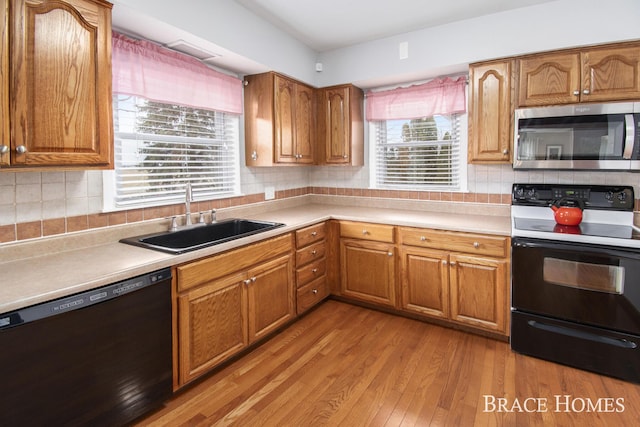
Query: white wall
[[450, 48]]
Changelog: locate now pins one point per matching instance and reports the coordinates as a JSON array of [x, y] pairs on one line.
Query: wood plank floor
[[343, 365]]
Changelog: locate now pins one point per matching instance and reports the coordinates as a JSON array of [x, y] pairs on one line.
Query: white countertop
[[51, 268]]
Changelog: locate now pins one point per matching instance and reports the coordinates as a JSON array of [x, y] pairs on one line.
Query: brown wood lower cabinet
[[460, 277], [311, 266], [228, 301]]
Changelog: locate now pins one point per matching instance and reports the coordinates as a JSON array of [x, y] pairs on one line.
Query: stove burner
[[585, 229]]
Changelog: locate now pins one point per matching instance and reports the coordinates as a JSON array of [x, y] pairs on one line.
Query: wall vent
[[193, 50]]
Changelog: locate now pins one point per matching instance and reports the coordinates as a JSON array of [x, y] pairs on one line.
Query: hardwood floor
[[343, 365]]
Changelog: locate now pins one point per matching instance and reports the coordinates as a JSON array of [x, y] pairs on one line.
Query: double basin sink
[[201, 235]]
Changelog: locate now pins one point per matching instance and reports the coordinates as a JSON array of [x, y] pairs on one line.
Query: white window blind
[[160, 147], [418, 153]]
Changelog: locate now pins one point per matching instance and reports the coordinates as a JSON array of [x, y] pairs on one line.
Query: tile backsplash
[[33, 197]]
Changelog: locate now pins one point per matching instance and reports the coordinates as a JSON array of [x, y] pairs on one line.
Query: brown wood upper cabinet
[[56, 83], [490, 108], [280, 119], [607, 73], [340, 125]]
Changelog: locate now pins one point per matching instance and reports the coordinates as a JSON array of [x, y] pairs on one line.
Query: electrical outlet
[[269, 193]]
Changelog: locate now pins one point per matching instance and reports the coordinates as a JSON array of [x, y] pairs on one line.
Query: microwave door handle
[[630, 129]]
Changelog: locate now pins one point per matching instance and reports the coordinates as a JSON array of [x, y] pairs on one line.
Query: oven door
[[588, 284]]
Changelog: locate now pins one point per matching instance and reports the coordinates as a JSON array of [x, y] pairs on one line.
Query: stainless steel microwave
[[582, 137]]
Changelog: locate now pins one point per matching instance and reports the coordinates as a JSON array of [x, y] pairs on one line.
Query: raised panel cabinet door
[[5, 141], [549, 79], [611, 74], [368, 271], [271, 295], [490, 112], [425, 282], [285, 117], [61, 82], [212, 325], [337, 123], [478, 288], [305, 125]]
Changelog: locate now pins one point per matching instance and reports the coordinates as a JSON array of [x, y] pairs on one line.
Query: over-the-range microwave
[[580, 136]]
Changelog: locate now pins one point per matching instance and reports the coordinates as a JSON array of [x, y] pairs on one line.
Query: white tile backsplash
[[33, 196]]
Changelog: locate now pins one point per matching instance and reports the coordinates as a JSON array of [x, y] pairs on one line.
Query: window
[[159, 147], [418, 153], [416, 137], [175, 122]]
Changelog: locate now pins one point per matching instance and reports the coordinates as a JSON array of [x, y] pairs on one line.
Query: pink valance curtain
[[145, 69], [437, 97]]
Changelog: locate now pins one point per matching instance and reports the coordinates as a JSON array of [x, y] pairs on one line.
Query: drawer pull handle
[[314, 234], [476, 245], [423, 238], [314, 291]]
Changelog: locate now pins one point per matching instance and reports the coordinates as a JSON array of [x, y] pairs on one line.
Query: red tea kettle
[[567, 211]]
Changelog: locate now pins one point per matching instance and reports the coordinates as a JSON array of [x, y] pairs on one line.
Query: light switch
[[404, 50]]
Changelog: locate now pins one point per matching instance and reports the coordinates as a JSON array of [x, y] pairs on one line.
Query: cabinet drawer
[[308, 235], [310, 271], [311, 294], [216, 266], [455, 241], [366, 231], [310, 253]]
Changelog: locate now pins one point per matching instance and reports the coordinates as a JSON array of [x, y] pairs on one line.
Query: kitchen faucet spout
[[187, 203]]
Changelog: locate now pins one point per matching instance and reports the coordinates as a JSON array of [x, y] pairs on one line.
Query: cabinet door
[[425, 282], [61, 83], [305, 124], [271, 294], [337, 123], [284, 117], [212, 325], [368, 271], [479, 291], [5, 142], [549, 79], [611, 74], [490, 113]]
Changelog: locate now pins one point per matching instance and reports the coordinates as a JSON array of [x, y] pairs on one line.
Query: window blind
[[160, 147], [418, 153]]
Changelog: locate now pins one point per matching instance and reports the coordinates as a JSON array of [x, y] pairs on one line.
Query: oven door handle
[[616, 342]]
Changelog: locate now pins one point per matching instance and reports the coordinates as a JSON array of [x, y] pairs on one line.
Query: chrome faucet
[[187, 203]]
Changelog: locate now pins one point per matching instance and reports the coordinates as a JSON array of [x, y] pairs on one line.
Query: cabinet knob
[[423, 239], [314, 271], [4, 149], [453, 264], [576, 92], [314, 234], [254, 155], [313, 252], [505, 151], [476, 245], [390, 253], [444, 262], [246, 282], [21, 149], [344, 156], [586, 92], [365, 232], [314, 291], [253, 279]]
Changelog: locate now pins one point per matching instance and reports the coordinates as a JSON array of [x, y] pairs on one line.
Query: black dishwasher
[[99, 358]]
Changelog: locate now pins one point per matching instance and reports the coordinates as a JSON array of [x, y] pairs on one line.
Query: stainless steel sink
[[201, 236]]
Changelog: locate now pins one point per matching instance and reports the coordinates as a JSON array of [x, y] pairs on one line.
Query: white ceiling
[[330, 24]]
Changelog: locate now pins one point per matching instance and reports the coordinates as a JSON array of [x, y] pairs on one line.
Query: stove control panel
[[620, 197]]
